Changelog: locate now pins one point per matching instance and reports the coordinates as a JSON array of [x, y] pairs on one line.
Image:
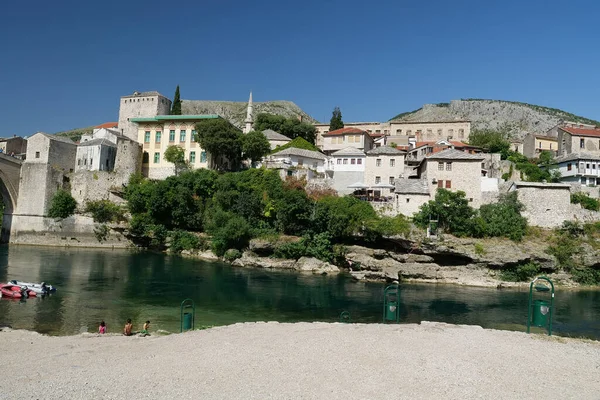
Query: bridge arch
[[10, 174]]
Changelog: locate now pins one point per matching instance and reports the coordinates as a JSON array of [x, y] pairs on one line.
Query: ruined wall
[[545, 207], [39, 183]]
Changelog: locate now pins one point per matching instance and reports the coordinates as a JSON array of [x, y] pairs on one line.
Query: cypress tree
[[336, 120], [176, 107]]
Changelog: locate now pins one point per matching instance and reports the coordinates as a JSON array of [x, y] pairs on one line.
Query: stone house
[[453, 170], [370, 127], [347, 137], [383, 166], [547, 205], [516, 145], [410, 195], [431, 130], [347, 167], [298, 163], [15, 146], [420, 150], [582, 168], [275, 139], [578, 139], [534, 144], [140, 105], [157, 133]]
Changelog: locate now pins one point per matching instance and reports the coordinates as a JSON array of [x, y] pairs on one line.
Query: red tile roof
[[581, 131], [433, 143], [108, 125], [345, 131]]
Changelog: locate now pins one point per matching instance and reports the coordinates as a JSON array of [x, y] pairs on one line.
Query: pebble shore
[[301, 361]]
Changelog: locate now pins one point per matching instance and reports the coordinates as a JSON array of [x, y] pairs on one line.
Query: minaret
[[249, 116]]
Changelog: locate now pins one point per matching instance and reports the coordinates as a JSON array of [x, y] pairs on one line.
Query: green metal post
[[187, 320], [535, 311]]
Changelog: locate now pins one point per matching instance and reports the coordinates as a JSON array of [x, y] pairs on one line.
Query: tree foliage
[[222, 141], [255, 146], [176, 155], [336, 120], [290, 127], [536, 169], [176, 106], [62, 205], [104, 211], [586, 201], [491, 141], [298, 143]]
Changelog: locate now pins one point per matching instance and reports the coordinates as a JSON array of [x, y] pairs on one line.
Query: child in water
[[102, 328], [145, 329], [127, 329]]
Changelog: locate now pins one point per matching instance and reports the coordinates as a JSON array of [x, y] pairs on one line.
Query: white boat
[[39, 288]]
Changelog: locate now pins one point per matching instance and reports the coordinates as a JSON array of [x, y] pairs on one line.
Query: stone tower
[[140, 105], [249, 116]]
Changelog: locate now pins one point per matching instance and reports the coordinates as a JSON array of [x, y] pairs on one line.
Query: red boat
[[15, 292]]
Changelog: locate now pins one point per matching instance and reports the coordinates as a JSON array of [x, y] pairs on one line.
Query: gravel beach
[[301, 361]]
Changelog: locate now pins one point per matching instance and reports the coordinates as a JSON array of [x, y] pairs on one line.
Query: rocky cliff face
[[235, 112], [517, 118]]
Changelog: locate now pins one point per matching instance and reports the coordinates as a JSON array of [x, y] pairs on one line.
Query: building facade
[[14, 146], [156, 134], [347, 137], [96, 155], [299, 163], [577, 139], [384, 166], [534, 144], [347, 167], [140, 105], [583, 168]]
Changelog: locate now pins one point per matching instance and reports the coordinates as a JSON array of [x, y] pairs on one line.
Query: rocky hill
[[235, 111], [516, 118]]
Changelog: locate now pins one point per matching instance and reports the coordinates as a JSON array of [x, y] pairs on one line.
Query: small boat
[[39, 288], [14, 292]]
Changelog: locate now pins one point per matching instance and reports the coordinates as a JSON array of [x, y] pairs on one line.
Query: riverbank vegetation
[[232, 208]]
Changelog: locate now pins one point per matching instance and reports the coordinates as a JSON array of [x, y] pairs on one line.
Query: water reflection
[[114, 285]]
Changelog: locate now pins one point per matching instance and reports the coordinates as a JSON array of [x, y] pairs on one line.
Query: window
[[359, 161], [583, 181], [377, 130], [378, 162], [461, 133], [539, 145], [300, 162], [407, 200], [147, 137], [398, 131], [409, 132], [145, 157], [345, 161], [587, 166], [450, 133], [85, 161], [182, 135], [550, 146], [448, 166], [581, 143], [37, 154], [429, 132], [158, 135], [440, 166], [79, 162], [392, 162], [91, 161], [156, 158], [377, 179], [193, 137], [339, 161], [391, 180], [593, 166], [203, 157], [470, 199], [482, 165], [569, 167], [440, 184], [439, 132], [315, 164], [171, 135], [192, 157], [448, 184], [353, 161]]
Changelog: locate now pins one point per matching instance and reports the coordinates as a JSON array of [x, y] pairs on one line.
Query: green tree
[[298, 143], [222, 141], [104, 211], [504, 218], [491, 141], [62, 205], [176, 155], [290, 127], [336, 120], [452, 211], [176, 106], [255, 146]]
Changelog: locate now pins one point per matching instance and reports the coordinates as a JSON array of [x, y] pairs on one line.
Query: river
[[114, 285]]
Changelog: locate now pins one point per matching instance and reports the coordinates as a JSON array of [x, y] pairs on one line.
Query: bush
[[62, 205], [452, 211], [101, 232], [586, 276], [182, 240], [479, 249], [317, 246], [586, 201], [520, 273], [232, 255], [504, 218], [104, 211]]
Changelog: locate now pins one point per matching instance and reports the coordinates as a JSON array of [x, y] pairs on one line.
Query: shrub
[[62, 205], [479, 249], [104, 211], [520, 273], [586, 201], [317, 246], [182, 240], [452, 211], [232, 255], [101, 232], [504, 218], [586, 276]]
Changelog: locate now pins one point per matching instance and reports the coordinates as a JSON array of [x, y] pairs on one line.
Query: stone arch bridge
[[10, 177]]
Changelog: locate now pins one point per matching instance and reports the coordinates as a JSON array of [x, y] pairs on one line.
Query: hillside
[[516, 118], [75, 134], [235, 111]]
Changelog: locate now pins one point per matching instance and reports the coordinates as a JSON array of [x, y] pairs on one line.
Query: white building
[[298, 163], [347, 167], [583, 168], [275, 139], [384, 165], [96, 155]]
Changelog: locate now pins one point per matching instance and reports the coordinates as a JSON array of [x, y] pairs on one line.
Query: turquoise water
[[113, 285]]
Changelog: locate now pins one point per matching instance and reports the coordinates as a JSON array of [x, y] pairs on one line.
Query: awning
[[384, 186], [358, 185]]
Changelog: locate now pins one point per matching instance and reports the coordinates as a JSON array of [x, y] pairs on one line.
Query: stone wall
[[464, 175], [341, 180], [546, 206], [75, 231], [409, 204], [140, 105], [39, 183]]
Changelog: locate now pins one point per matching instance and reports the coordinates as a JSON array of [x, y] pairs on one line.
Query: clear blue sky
[[64, 64]]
